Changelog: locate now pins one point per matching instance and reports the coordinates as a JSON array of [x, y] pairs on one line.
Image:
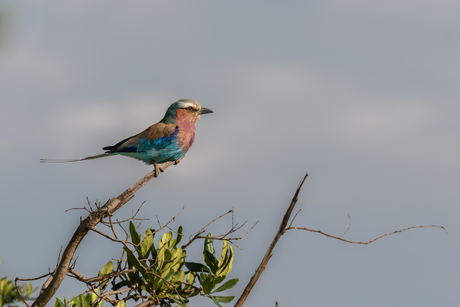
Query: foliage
[[160, 273], [79, 301], [9, 296]]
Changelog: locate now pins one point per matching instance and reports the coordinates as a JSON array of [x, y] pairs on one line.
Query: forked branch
[[282, 229]]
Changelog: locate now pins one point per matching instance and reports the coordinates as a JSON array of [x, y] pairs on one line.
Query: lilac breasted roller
[[167, 140]]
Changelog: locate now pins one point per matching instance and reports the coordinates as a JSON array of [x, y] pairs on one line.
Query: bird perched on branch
[[167, 140]]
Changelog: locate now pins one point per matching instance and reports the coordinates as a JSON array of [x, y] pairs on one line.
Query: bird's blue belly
[[149, 156], [161, 155]]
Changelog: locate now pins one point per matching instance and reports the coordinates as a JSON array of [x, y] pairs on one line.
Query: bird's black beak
[[205, 111]]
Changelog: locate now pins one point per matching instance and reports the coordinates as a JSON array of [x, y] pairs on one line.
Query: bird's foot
[[158, 170], [178, 160]]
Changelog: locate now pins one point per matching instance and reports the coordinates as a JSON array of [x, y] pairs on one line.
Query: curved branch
[[361, 242]]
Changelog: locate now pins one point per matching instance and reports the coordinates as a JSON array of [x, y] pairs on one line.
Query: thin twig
[[367, 242], [88, 280], [19, 292], [204, 228], [34, 278], [349, 225], [292, 221], [77, 209]]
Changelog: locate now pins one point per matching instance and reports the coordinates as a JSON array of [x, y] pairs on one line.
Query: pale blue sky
[[363, 95]]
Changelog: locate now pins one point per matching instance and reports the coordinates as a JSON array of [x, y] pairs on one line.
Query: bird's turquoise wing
[[146, 144]]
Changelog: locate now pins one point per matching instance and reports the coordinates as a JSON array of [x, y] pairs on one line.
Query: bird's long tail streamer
[[73, 160]]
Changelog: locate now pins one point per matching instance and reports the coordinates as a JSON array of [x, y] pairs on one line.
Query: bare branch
[[148, 303], [80, 277], [349, 225], [224, 236], [204, 228], [19, 292], [292, 221], [268, 254], [34, 278], [367, 242]]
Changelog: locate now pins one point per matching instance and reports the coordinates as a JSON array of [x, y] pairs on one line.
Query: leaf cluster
[[9, 295], [160, 273]]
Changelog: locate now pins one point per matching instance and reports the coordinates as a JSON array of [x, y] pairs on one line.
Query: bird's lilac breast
[[186, 135]]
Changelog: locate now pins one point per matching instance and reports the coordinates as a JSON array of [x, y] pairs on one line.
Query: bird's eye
[[190, 108]]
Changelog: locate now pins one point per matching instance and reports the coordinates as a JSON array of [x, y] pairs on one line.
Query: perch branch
[[85, 225]]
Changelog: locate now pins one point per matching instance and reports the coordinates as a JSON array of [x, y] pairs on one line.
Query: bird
[[167, 140]]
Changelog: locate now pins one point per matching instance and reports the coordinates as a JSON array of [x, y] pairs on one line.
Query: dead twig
[[349, 225], [19, 292], [366, 242], [268, 254], [204, 228]]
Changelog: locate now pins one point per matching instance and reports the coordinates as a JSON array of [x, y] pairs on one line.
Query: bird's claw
[[158, 170]]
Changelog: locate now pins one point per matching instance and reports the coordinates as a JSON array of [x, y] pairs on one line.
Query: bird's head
[[187, 109]]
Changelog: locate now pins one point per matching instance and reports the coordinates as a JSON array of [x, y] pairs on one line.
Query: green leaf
[[58, 303], [107, 269], [209, 254], [210, 260], [132, 262], [134, 235], [178, 298], [197, 267], [146, 244], [219, 279], [160, 255], [178, 278], [215, 300], [208, 284], [209, 245], [166, 277], [191, 278], [223, 256], [92, 297], [222, 299], [74, 302], [228, 285], [83, 301], [227, 265], [166, 237], [179, 235], [121, 304], [178, 258], [119, 285]]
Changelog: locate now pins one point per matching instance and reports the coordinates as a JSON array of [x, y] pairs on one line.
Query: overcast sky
[[362, 95]]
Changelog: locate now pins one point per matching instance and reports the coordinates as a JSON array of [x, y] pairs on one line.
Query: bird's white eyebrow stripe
[[189, 104]]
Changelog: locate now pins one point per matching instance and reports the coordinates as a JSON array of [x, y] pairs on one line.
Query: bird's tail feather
[[73, 160]]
